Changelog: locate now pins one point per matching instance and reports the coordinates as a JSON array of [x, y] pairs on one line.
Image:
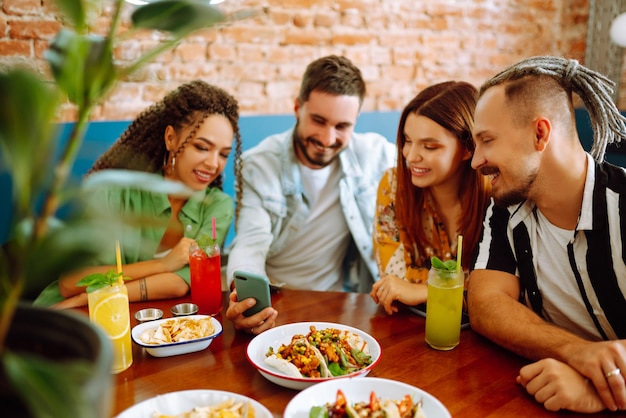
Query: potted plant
[[45, 364]]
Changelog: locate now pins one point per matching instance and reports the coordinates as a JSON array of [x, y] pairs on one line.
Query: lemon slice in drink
[[111, 313]]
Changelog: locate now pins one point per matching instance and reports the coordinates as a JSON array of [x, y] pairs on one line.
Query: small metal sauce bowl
[[149, 314], [184, 309]]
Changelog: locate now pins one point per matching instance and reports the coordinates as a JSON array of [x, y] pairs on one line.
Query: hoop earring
[[168, 168]]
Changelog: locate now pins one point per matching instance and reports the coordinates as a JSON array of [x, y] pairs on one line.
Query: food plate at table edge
[[359, 390], [274, 337], [175, 348], [185, 400]]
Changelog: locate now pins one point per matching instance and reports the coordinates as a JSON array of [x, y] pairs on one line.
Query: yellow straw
[[459, 251], [118, 260]]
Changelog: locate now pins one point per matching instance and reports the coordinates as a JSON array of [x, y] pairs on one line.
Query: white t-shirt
[[552, 262], [320, 245]]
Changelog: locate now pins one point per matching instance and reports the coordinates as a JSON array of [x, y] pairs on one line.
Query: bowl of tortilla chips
[[175, 336], [302, 354]]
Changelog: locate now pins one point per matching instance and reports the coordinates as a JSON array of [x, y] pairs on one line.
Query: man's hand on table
[[604, 364], [558, 386], [254, 324]]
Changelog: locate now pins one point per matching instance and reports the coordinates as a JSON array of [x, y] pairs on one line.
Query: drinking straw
[[214, 236], [118, 261], [459, 251]]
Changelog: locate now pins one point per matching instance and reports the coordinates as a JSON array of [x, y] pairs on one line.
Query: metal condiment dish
[[149, 314], [183, 309]]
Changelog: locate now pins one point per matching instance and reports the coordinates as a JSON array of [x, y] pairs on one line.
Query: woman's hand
[[178, 257], [72, 302], [391, 288], [255, 324]]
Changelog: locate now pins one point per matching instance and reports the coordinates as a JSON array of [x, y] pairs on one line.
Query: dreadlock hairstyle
[[536, 76], [141, 147], [450, 104]]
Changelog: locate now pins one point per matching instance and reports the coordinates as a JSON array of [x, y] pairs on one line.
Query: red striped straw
[[213, 225]]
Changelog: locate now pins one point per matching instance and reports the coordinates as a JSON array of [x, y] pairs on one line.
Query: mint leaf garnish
[[97, 281], [206, 241], [449, 265]]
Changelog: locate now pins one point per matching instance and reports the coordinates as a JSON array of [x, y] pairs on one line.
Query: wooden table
[[476, 379]]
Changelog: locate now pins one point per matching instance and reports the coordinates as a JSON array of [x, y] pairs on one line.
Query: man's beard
[[514, 196], [301, 143]]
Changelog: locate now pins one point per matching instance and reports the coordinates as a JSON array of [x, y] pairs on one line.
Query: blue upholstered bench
[[101, 135]]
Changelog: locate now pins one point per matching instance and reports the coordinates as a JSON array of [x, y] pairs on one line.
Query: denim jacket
[[273, 207]]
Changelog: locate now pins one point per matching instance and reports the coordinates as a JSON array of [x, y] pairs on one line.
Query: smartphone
[[251, 285]]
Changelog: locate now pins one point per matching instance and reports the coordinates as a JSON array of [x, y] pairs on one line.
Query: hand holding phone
[[251, 285]]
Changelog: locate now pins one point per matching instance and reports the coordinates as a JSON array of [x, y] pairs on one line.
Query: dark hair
[[333, 75], [550, 81], [141, 146], [450, 104]]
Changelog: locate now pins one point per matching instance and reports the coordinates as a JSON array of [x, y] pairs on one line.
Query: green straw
[[459, 251]]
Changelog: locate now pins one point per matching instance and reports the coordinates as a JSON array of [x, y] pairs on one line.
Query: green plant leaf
[[66, 56], [74, 11], [82, 66], [51, 390], [27, 107], [146, 181], [179, 17], [74, 244]]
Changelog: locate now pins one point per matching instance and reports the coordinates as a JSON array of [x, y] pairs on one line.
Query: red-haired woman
[[431, 197]]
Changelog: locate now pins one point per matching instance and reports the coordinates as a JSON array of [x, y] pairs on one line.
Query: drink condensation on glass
[[444, 305], [206, 279], [108, 307]]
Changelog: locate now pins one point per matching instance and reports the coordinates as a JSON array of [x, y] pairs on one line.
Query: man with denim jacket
[[308, 195]]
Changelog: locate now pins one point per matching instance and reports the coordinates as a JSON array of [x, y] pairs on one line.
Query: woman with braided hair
[[187, 138], [549, 279]]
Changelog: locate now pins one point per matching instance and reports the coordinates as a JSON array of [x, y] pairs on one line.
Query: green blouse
[[140, 242]]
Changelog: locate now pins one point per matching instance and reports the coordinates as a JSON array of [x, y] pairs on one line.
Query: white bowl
[[174, 403], [259, 346], [174, 349], [359, 390]]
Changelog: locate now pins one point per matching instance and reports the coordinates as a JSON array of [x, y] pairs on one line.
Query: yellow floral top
[[394, 254]]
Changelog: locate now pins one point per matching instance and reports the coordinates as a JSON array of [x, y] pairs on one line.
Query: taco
[[298, 359], [345, 352]]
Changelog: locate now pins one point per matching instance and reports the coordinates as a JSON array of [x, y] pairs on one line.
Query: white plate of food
[[277, 353], [174, 336], [178, 404], [358, 394]]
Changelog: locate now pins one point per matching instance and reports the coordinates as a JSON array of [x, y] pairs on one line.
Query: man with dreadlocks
[[549, 278]]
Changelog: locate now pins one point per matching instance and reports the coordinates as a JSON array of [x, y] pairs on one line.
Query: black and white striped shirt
[[575, 279]]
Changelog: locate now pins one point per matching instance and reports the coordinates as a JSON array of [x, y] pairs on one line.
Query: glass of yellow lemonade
[[108, 307], [444, 305]]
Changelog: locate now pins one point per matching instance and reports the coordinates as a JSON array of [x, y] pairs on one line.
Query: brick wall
[[400, 45]]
